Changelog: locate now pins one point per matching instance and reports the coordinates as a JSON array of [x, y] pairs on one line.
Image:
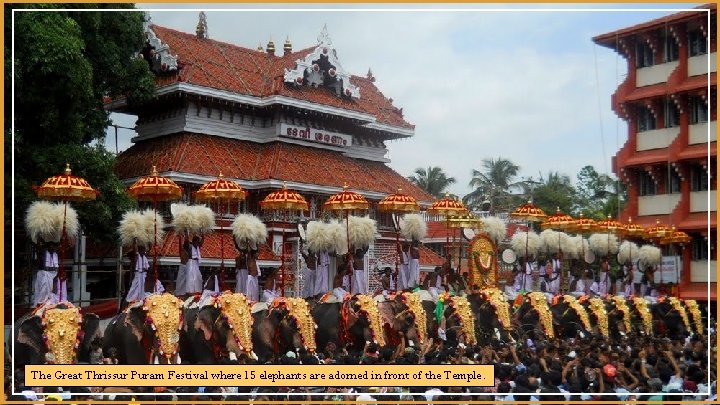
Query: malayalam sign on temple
[[314, 135]]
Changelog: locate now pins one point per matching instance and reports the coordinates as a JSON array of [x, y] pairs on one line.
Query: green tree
[[433, 180], [598, 195], [65, 63], [555, 190], [493, 186]]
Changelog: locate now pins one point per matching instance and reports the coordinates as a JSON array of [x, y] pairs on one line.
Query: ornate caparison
[[62, 329], [597, 306], [575, 305], [164, 314], [369, 307], [621, 305], [692, 306], [299, 310], [467, 322], [237, 310], [414, 304], [678, 306], [496, 298], [539, 303], [641, 306]]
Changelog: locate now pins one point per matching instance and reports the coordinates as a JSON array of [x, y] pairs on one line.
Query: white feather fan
[[155, 226], [337, 234], [567, 245], [132, 226], [495, 228], [204, 219], [182, 218], [413, 227], [318, 238], [603, 244], [628, 251], [44, 221], [362, 231], [521, 240], [650, 255], [581, 246], [549, 241], [249, 229]]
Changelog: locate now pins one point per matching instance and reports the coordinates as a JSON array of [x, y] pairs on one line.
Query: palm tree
[[493, 185], [433, 180], [554, 191]]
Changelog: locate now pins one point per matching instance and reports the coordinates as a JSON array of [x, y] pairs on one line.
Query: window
[[673, 181], [672, 114], [646, 120], [645, 55], [647, 184], [672, 49], [697, 43], [698, 110], [698, 178], [699, 248]]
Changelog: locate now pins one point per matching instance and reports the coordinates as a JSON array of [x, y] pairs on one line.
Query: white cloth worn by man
[[322, 272], [136, 292], [193, 280], [44, 279]]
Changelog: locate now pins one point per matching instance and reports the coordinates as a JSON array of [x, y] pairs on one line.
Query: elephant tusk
[[232, 356], [177, 359]]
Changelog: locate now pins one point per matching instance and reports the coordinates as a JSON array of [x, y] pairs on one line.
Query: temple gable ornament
[[156, 53], [321, 68]]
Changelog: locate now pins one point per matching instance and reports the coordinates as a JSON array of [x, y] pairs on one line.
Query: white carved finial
[[147, 21], [324, 37]]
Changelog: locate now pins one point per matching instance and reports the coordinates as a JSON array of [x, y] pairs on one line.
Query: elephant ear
[[135, 320], [30, 333]]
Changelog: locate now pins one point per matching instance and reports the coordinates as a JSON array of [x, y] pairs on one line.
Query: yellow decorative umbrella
[[155, 188], [220, 191], [530, 213], [398, 204], [447, 207], [283, 200], [66, 188], [582, 226], [676, 238], [345, 202], [558, 221]]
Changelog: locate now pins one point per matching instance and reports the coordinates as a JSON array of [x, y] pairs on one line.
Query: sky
[[477, 80]]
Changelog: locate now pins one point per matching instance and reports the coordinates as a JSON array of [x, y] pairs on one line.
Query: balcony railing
[[698, 65], [699, 132], [703, 201], [654, 74], [656, 138], [661, 204]]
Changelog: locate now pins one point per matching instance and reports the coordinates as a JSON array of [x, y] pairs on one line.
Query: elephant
[[492, 315], [670, 318], [533, 316], [404, 317], [147, 331], [284, 325], [31, 331], [570, 318], [620, 317], [349, 323]]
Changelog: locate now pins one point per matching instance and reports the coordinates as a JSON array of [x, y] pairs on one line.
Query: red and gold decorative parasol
[[583, 225], [155, 188], [283, 200], [557, 221], [398, 204], [634, 230], [220, 191], [66, 188], [446, 207], [611, 226], [659, 231], [528, 212], [346, 201], [673, 238]]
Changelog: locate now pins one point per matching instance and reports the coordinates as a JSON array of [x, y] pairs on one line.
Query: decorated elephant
[[55, 334], [533, 316], [404, 317], [670, 318], [284, 325], [492, 315], [459, 317], [147, 332], [216, 328], [620, 316], [349, 323], [570, 317]]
